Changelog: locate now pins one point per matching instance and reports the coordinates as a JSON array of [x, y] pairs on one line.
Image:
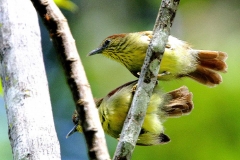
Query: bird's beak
[[95, 51], [73, 130]]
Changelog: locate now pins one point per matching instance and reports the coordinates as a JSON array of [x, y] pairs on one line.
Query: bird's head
[[77, 127], [127, 48], [111, 44]]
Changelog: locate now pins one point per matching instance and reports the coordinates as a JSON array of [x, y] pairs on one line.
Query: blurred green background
[[211, 131]]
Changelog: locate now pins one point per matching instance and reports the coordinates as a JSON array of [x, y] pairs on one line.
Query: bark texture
[[147, 80], [64, 43], [30, 122]]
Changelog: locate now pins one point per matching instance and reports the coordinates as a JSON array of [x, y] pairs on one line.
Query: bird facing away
[[179, 59], [114, 108]]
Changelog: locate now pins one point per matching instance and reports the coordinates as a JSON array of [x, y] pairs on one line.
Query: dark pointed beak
[[95, 51], [73, 130]]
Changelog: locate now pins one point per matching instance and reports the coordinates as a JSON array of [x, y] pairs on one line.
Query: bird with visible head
[[179, 59], [114, 108]]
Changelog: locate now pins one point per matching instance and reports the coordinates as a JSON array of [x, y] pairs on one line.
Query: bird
[[114, 107], [179, 59]]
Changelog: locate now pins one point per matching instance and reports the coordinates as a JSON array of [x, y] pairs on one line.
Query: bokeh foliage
[[211, 131], [1, 88], [66, 4]]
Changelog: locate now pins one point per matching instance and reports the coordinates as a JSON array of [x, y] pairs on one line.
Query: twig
[[147, 80], [66, 48]]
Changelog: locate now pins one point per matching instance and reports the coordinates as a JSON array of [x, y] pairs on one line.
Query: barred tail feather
[[209, 64], [214, 60], [206, 76], [206, 54], [180, 103]]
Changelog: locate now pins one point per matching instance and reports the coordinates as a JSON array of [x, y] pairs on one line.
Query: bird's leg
[[156, 83], [134, 88], [163, 74]]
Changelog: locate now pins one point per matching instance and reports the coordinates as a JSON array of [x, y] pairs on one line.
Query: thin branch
[[147, 80], [85, 106]]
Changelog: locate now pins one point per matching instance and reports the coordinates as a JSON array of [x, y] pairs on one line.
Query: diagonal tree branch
[[85, 106], [147, 80]]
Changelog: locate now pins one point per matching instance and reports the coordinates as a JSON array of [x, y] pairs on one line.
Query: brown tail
[[210, 63], [180, 103]]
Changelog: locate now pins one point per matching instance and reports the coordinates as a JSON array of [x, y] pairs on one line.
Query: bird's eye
[[106, 43]]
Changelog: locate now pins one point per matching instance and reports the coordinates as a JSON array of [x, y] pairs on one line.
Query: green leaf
[[66, 4]]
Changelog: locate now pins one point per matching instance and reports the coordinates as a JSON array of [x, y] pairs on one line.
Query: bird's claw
[[134, 88], [163, 74]]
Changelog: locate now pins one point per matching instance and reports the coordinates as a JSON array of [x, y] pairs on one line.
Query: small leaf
[[66, 4]]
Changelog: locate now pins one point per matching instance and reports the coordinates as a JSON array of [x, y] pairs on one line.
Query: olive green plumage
[[179, 59], [114, 107]]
